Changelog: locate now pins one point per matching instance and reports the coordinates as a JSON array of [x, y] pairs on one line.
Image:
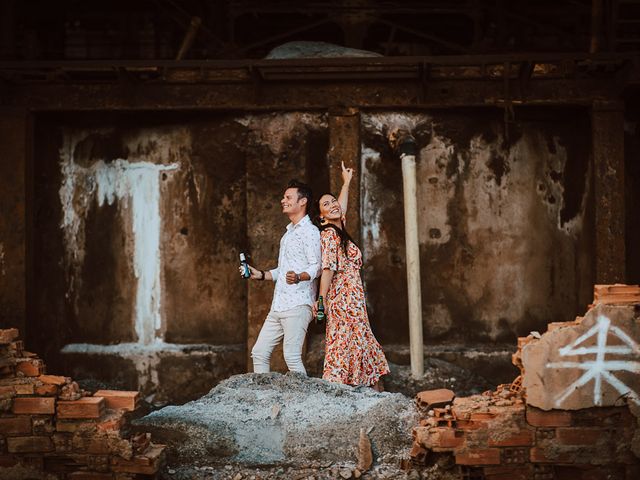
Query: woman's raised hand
[[347, 174]]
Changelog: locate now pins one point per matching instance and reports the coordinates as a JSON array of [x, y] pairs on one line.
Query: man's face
[[291, 202]]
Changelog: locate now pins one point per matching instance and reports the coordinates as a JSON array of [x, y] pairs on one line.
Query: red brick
[[29, 444], [541, 455], [86, 407], [418, 453], [115, 399], [46, 390], [469, 425], [523, 438], [15, 425], [112, 422], [71, 426], [450, 438], [147, 464], [578, 435], [479, 456], [552, 418], [53, 379], [481, 416], [34, 405], [8, 335], [509, 472], [24, 389], [435, 398], [31, 367], [7, 390]]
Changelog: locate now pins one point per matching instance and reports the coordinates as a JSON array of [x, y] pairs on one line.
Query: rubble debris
[[522, 431], [50, 428]]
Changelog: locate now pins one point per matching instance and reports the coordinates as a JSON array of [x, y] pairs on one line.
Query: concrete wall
[[14, 132], [506, 228], [506, 224], [139, 223], [140, 220]]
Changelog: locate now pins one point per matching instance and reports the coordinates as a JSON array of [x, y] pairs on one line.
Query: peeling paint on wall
[[136, 187], [370, 214]]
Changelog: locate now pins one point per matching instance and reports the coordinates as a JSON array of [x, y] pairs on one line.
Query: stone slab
[[266, 419]]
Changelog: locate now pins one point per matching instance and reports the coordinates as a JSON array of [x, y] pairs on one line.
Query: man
[[299, 263]]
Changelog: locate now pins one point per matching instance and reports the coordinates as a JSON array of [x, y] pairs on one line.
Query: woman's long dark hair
[[345, 238]]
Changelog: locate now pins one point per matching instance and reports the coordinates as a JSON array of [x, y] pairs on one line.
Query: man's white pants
[[292, 325]]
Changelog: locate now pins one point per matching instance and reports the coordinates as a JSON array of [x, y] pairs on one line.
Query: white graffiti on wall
[[600, 369], [136, 185]]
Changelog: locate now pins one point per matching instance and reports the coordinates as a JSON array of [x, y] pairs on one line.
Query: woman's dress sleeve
[[330, 243]]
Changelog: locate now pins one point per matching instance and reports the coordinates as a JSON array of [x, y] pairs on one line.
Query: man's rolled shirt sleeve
[[274, 274]]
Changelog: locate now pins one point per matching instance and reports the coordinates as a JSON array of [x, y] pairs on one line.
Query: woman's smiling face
[[330, 208]]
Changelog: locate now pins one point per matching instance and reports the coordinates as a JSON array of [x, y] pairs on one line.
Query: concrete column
[[607, 132], [344, 145], [15, 127]]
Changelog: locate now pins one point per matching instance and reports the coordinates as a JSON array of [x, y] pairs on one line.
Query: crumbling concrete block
[[590, 364]]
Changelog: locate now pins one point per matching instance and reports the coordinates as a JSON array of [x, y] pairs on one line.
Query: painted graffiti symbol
[[600, 369]]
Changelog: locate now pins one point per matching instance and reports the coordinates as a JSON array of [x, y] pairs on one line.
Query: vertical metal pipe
[[413, 264]]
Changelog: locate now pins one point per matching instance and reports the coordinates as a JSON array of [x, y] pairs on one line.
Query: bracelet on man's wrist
[[261, 275]]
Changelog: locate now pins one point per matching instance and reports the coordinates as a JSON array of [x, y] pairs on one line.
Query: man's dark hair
[[304, 191]]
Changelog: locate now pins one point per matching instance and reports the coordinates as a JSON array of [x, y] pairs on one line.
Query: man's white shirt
[[299, 252]]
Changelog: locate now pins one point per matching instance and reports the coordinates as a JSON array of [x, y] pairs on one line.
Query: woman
[[353, 356]]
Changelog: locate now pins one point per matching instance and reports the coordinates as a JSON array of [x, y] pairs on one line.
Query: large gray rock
[[595, 363], [265, 419]]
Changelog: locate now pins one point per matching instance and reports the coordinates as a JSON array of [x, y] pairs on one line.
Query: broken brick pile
[[500, 435], [49, 424]]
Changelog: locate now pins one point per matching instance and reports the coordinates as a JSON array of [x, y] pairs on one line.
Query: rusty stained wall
[[220, 183], [505, 225], [14, 131], [84, 253]]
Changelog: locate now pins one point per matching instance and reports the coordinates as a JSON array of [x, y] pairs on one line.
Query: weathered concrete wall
[[506, 225], [506, 228], [139, 224], [14, 129]]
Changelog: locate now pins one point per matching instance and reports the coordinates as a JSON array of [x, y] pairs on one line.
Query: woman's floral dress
[[353, 355]]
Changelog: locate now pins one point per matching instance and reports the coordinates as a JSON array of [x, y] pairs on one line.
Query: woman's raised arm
[[343, 198]]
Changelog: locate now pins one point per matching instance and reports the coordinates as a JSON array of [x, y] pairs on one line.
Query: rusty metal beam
[[546, 65], [607, 131], [308, 95]]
